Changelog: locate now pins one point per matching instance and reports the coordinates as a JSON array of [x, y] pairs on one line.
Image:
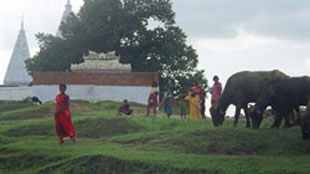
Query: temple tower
[[66, 13], [16, 74]]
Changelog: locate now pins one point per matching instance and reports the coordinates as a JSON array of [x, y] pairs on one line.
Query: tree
[[123, 26], [55, 54]]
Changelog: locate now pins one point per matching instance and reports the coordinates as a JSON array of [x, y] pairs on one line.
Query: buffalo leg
[[245, 109], [277, 121], [287, 119], [237, 114], [296, 120]]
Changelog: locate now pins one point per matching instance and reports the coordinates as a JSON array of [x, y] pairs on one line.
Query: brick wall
[[94, 78]]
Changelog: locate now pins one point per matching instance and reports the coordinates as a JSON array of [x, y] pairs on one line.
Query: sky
[[229, 36]]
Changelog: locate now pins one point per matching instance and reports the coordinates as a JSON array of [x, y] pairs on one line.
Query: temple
[[103, 62], [100, 77], [16, 74]]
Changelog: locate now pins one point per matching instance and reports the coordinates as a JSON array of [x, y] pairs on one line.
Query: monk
[[64, 126]]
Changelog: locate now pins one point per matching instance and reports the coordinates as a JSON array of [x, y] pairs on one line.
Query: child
[[152, 100], [183, 104], [125, 109]]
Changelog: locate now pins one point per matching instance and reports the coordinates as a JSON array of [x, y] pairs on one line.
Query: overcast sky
[[229, 35]]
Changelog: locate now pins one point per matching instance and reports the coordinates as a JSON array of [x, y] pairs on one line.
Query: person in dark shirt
[[125, 109]]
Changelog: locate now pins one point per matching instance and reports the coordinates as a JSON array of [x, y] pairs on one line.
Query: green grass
[[112, 144]]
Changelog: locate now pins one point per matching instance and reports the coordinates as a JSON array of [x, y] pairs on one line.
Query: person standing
[[183, 104], [203, 104], [64, 126], [152, 100], [194, 101], [216, 92], [167, 101]]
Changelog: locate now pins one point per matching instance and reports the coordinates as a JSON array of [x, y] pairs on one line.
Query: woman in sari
[[216, 92], [64, 126], [167, 101], [194, 101]]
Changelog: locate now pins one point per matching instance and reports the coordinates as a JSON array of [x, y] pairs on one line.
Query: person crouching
[[125, 109]]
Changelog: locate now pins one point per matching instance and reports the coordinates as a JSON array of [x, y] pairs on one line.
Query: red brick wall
[[94, 78]]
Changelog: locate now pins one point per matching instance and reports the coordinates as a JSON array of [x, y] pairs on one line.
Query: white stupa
[[16, 74], [66, 13]]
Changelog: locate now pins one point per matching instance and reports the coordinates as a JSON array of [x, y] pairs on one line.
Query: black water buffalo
[[283, 95], [241, 89]]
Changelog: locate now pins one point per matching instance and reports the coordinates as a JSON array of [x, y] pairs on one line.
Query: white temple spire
[[16, 74], [69, 6], [22, 26], [66, 13]]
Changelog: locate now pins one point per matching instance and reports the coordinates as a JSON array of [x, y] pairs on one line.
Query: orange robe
[[64, 126]]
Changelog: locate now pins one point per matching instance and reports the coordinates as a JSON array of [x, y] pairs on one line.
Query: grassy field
[[111, 144]]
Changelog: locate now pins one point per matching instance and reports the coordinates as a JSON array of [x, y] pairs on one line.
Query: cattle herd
[[282, 93]]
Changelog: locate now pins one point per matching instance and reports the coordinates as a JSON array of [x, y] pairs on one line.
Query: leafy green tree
[[123, 26], [55, 54]]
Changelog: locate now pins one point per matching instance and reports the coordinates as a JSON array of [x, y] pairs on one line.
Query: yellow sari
[[194, 105]]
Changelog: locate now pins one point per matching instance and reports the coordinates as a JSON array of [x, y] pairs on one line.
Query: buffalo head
[[256, 116], [217, 115]]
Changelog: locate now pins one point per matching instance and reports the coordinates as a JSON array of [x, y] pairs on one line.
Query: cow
[[241, 89], [284, 96]]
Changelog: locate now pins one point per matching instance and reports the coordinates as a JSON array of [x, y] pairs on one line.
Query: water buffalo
[[241, 89], [283, 95]]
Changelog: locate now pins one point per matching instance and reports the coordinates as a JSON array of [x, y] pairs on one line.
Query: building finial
[[22, 26], [68, 6]]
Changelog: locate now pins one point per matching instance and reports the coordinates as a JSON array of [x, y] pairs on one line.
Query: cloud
[[305, 70], [242, 41], [283, 19]]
